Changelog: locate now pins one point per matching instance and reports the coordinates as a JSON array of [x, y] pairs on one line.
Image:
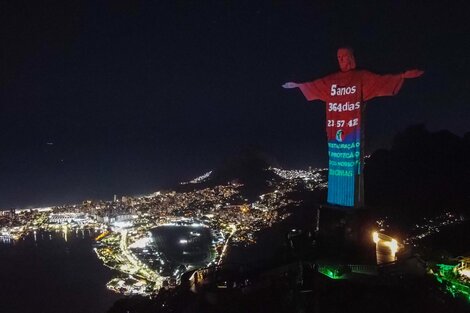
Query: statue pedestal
[[346, 232]]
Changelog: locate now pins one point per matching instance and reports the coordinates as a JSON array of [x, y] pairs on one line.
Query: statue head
[[346, 59]]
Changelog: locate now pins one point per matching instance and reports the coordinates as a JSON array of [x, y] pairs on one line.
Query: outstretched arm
[[412, 73], [314, 90], [374, 85], [290, 85]]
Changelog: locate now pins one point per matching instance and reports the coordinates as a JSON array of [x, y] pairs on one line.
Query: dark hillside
[[423, 173]]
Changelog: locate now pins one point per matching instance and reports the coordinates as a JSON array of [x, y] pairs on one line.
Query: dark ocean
[[50, 274]]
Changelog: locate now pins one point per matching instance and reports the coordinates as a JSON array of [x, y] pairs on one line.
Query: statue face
[[346, 60]]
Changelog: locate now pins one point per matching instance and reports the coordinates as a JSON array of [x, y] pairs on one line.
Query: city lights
[[393, 246], [124, 241], [375, 237]]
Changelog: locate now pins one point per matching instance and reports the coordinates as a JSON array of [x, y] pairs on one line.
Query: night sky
[[108, 97]]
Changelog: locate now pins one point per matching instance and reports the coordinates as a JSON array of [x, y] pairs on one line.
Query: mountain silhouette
[[423, 173], [250, 168]]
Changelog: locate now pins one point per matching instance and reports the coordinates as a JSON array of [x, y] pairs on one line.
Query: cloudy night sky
[[123, 97]]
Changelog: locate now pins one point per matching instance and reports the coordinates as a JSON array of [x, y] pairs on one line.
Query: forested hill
[[423, 173]]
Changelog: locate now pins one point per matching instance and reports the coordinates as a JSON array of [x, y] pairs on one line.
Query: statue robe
[[344, 94]]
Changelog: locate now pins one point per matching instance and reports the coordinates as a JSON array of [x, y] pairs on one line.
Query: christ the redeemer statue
[[345, 93]]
